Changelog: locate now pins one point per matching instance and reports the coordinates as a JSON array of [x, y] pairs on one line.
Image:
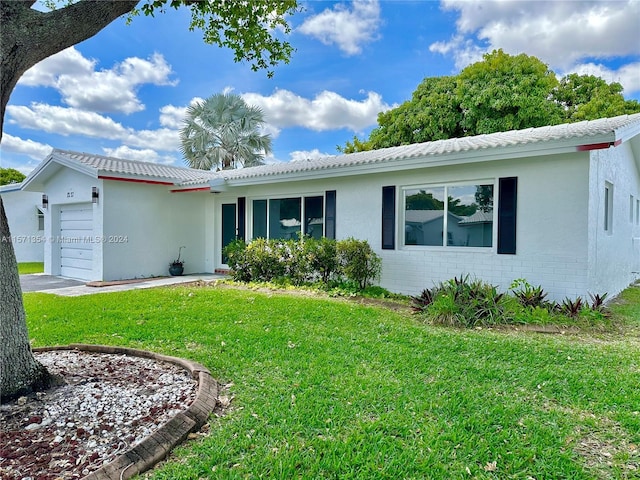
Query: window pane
[[313, 217], [259, 219], [40, 215], [424, 216], [470, 216], [284, 218]]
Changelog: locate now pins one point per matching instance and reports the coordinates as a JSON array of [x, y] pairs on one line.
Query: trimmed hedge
[[307, 260]]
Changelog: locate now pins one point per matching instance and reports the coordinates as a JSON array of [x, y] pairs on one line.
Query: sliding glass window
[[464, 212]]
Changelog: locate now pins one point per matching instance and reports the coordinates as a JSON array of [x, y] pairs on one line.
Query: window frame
[[449, 248], [268, 198], [40, 219]]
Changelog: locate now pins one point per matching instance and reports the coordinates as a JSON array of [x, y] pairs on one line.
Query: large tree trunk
[[20, 373], [27, 37]]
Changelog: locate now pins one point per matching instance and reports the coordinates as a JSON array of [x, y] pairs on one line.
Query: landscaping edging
[[157, 446]]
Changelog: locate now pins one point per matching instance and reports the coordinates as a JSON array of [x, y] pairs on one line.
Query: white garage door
[[76, 248]]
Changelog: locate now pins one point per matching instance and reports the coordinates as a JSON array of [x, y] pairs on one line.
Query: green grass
[[326, 388], [30, 267]]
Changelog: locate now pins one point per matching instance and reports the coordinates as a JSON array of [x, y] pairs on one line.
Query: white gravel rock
[[110, 403]]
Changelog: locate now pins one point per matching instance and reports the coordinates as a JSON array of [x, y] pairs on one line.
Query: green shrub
[[420, 303], [466, 303], [303, 261], [527, 294], [236, 254], [359, 262], [323, 258]]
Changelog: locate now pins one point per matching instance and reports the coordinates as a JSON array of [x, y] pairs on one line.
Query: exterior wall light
[[45, 201], [94, 194]]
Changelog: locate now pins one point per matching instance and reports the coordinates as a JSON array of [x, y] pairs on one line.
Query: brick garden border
[[156, 446]]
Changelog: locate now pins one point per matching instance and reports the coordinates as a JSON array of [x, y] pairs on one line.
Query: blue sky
[[124, 92]]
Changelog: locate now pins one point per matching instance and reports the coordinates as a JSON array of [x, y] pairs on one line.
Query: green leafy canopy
[[10, 175], [247, 28], [500, 93]]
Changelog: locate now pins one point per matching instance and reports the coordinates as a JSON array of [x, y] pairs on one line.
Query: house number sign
[[70, 194]]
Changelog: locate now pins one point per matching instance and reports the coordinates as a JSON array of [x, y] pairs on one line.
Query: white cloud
[[72, 121], [349, 29], [560, 33], [143, 155], [113, 90], [302, 155], [64, 121], [69, 61], [464, 50], [172, 116], [37, 151], [327, 111], [163, 139]]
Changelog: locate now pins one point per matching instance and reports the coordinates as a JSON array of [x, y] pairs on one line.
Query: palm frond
[[223, 132]]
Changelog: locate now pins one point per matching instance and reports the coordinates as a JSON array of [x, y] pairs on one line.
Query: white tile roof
[[136, 168]]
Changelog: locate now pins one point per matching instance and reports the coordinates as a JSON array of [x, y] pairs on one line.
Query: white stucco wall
[[144, 226], [551, 223], [22, 214], [614, 256]]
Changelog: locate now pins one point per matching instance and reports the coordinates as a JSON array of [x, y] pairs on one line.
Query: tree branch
[[28, 36]]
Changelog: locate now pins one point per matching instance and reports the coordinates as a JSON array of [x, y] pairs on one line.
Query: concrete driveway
[[38, 282]]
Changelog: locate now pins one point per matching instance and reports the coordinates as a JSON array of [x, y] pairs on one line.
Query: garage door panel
[[76, 273], [76, 248], [77, 235], [82, 252], [76, 213], [81, 263], [79, 225]]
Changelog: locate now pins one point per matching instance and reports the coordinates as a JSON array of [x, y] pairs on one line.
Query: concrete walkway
[[73, 288]]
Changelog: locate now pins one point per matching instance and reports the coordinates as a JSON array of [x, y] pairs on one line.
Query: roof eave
[[136, 178], [11, 187], [38, 177], [436, 160]]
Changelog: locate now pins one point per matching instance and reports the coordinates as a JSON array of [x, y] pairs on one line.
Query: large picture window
[[287, 218], [464, 212]]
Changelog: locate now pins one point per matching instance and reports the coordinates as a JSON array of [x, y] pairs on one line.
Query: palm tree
[[222, 132]]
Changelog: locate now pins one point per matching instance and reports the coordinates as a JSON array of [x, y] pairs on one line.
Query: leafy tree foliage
[[10, 175], [224, 132], [504, 93], [587, 97], [500, 93]]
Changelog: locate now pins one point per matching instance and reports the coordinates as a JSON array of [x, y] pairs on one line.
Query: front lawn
[[30, 267], [325, 388]]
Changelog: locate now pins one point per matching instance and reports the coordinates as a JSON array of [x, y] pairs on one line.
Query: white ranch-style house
[[558, 206]]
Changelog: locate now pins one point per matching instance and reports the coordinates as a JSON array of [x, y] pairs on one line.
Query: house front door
[[229, 226]]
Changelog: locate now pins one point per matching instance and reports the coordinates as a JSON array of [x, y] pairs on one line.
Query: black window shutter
[[389, 218], [330, 214], [507, 207], [242, 206]]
